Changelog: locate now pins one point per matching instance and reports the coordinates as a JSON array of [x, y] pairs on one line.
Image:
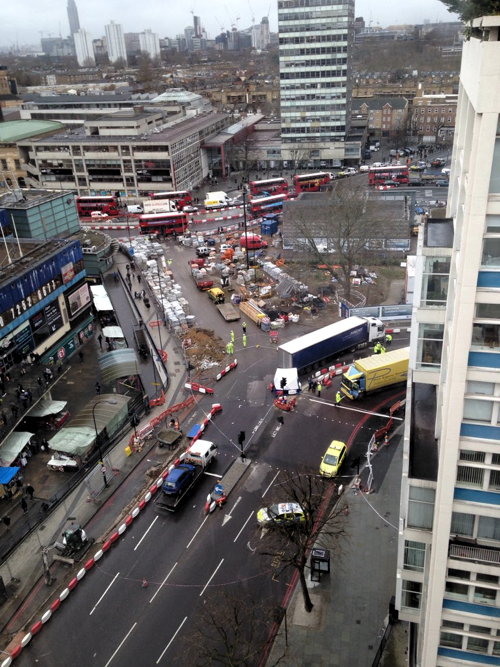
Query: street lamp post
[[101, 460], [244, 192]]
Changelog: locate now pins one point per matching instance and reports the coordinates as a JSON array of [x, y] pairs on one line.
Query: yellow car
[[333, 459], [280, 513]]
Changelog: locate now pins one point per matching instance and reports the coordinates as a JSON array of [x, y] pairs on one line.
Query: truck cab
[[376, 329], [216, 295]]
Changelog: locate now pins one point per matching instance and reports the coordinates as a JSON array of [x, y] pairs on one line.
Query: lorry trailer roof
[[381, 360], [322, 334]]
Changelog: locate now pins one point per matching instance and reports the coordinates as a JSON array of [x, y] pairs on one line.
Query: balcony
[[473, 553]]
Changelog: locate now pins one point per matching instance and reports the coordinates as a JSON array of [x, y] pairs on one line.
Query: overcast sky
[[21, 21]]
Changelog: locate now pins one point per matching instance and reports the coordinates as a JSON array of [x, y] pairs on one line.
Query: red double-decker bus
[[271, 186], [394, 172], [107, 204], [262, 205], [311, 182], [165, 224], [181, 197]]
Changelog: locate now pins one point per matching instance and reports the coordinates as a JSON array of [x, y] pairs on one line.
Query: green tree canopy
[[472, 9]]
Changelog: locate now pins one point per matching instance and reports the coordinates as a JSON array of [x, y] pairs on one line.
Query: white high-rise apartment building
[[315, 43], [150, 43], [115, 42], [448, 580], [84, 48]]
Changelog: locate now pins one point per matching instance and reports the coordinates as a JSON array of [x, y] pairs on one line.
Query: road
[[111, 619]]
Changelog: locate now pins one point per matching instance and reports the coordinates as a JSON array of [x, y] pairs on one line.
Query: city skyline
[[51, 18]]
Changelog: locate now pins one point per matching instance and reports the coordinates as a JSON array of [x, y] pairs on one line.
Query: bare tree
[[344, 222], [313, 493], [230, 628]]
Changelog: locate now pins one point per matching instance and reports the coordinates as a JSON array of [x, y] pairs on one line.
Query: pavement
[[350, 617]]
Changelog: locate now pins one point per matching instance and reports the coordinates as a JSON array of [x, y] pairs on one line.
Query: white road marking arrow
[[227, 517]]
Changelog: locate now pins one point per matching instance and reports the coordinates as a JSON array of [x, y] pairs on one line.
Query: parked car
[[442, 183], [438, 162], [446, 171], [190, 209]]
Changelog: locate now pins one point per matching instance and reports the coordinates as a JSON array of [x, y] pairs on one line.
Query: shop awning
[[47, 408], [118, 364], [7, 474], [102, 303], [13, 445], [112, 332], [108, 410], [72, 440]]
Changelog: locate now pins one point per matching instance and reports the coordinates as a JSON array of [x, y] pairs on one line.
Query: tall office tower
[[116, 42], [264, 33], [197, 26], [188, 36], [315, 43], [448, 579], [74, 21], [84, 48], [150, 43]]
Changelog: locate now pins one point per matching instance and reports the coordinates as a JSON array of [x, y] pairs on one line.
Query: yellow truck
[[376, 372]]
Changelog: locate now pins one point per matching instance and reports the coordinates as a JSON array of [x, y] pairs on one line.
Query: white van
[[216, 200], [135, 208], [115, 336]]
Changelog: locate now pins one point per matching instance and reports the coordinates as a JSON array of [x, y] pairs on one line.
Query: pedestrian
[[80, 355], [382, 349], [244, 338], [24, 504], [388, 339], [228, 347], [319, 388], [231, 347], [99, 338], [231, 333], [97, 388], [338, 398], [6, 521], [138, 277], [40, 381], [310, 384], [30, 491], [244, 327], [377, 348], [23, 460], [14, 409]]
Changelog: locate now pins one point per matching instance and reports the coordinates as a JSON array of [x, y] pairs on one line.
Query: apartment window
[[488, 528], [430, 344], [435, 281], [414, 557], [452, 624], [4, 164], [421, 507], [494, 484], [491, 250], [493, 224], [456, 590], [475, 457], [462, 524], [451, 640], [411, 594], [478, 410], [496, 648], [476, 644], [485, 336], [17, 164], [469, 476]]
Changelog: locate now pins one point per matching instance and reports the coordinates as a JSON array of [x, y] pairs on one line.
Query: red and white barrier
[[226, 370], [194, 386]]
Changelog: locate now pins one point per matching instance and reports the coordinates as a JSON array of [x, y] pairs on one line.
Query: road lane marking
[[107, 589], [365, 412], [213, 575], [192, 539], [228, 517], [147, 531], [163, 583], [270, 484], [243, 526], [173, 637], [121, 644]]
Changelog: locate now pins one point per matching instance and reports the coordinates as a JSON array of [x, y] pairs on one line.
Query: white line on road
[[163, 583], [270, 485], [120, 645], [243, 526], [192, 539], [147, 531], [107, 589], [213, 575], [365, 412], [229, 515], [174, 636]]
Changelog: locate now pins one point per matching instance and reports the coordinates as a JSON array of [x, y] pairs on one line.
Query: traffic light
[[283, 383], [241, 437]]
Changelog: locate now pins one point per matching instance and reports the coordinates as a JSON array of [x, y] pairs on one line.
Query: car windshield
[[331, 459]]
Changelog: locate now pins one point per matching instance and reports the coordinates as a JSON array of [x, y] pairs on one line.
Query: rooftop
[[12, 265], [31, 197], [16, 130], [439, 233]]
